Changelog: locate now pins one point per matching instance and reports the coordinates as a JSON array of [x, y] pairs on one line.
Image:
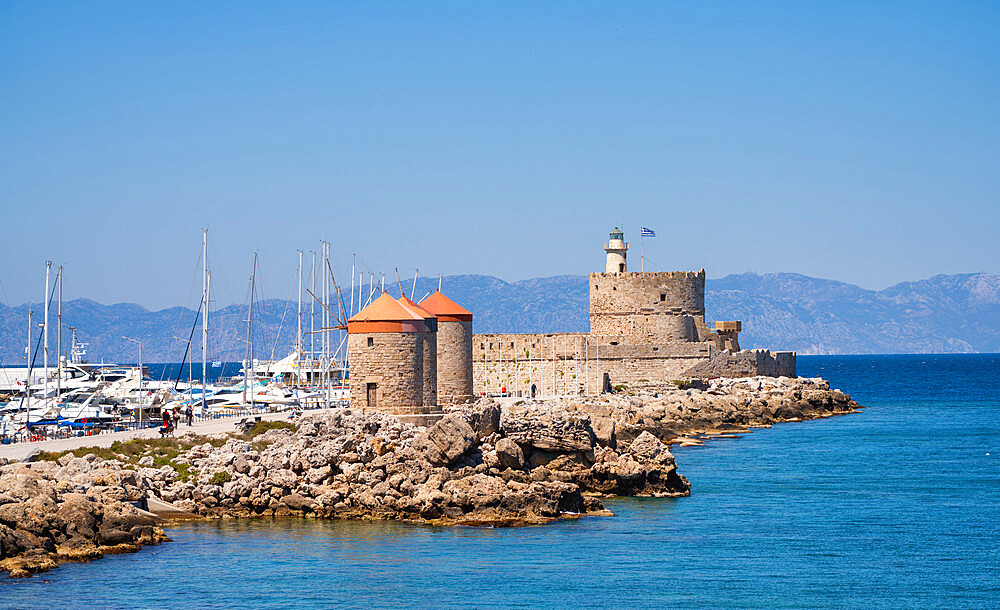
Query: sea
[[897, 506]]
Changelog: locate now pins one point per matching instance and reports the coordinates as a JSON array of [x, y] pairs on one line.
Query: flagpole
[[642, 256]]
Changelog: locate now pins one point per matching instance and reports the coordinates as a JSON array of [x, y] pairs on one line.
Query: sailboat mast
[[45, 331], [329, 321], [326, 321], [59, 354], [312, 323], [27, 375], [298, 349], [353, 265], [248, 369], [322, 317], [204, 315]]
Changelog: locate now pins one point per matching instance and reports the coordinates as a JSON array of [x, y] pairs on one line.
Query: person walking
[[190, 415]]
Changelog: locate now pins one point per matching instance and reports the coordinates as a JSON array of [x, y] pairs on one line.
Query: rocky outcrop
[[354, 464], [73, 510], [674, 411], [646, 468]]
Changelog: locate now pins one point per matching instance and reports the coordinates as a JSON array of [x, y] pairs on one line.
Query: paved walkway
[[18, 451]]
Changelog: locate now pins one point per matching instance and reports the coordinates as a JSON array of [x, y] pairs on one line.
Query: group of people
[[171, 419]]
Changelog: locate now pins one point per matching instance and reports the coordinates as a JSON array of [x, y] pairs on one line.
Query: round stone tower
[[385, 347], [454, 345], [617, 251], [429, 349]]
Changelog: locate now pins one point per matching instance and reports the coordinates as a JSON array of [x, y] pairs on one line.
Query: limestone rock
[[112, 537], [509, 454], [447, 440], [299, 502], [547, 430], [484, 417]]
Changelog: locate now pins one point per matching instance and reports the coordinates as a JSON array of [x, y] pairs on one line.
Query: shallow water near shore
[[895, 506]]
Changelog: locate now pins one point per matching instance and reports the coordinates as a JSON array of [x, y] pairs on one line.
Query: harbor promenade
[[18, 451]]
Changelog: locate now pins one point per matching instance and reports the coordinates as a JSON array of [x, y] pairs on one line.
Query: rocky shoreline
[[528, 462]]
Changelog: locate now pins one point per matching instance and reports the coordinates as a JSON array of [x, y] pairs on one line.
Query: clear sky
[[854, 141]]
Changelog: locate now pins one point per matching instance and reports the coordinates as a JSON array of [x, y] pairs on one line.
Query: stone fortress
[[647, 329]]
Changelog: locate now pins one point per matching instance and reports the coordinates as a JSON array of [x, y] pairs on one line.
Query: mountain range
[[780, 311]]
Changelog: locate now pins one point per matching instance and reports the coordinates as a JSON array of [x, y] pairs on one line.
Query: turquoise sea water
[[896, 506]]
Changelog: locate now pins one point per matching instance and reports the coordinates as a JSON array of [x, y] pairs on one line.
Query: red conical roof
[[406, 301], [445, 309], [386, 314]]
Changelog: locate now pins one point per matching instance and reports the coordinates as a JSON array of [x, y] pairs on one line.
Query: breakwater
[[529, 462]]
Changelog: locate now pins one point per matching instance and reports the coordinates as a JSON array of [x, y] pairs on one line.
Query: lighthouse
[[617, 251]]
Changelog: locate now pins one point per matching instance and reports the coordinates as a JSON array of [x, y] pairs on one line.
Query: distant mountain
[[786, 311], [945, 313]]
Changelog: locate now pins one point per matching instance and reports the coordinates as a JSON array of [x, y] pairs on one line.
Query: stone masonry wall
[[554, 362], [394, 362], [428, 346], [650, 328], [575, 363], [657, 292], [746, 363], [454, 362], [649, 307]]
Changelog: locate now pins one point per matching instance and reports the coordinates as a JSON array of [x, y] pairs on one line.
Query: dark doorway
[[372, 395], [606, 384]]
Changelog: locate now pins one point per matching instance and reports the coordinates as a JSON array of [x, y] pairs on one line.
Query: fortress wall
[[575, 363], [704, 332], [553, 361], [746, 363]]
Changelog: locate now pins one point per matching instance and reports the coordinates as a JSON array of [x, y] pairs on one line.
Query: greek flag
[[216, 364], [648, 232]]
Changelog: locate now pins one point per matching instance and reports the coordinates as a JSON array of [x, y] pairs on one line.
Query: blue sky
[[854, 141]]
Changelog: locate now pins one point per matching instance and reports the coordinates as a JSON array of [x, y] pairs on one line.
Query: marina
[[73, 397]]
